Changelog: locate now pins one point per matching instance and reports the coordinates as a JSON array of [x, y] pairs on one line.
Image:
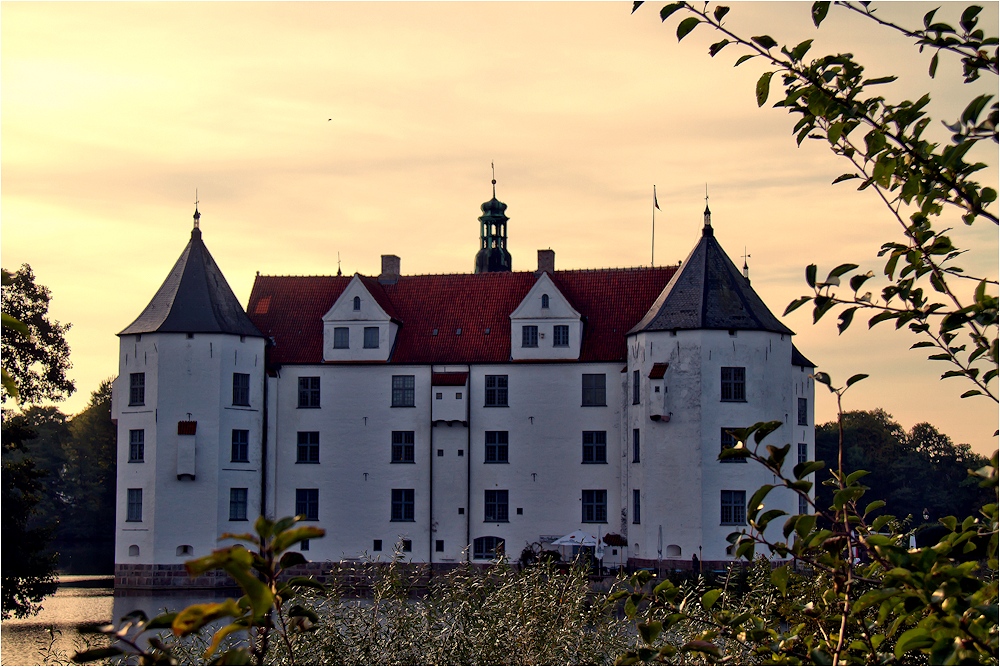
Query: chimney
[[390, 269], [546, 261]]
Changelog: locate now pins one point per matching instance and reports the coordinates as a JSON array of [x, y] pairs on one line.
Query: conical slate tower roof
[[195, 298], [709, 292]]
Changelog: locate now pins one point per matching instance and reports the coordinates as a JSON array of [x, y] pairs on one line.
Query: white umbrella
[[577, 538]]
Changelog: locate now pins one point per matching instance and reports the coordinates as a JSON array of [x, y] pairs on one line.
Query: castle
[[452, 415]]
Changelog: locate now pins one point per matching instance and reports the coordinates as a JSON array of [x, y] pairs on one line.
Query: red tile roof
[[457, 318]]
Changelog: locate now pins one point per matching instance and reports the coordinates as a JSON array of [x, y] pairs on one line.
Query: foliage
[[917, 178], [38, 363], [28, 566]]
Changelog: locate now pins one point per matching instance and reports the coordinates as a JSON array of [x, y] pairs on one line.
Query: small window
[[304, 545], [439, 546], [545, 301], [529, 336], [496, 506], [241, 389], [595, 447], [240, 452], [402, 505], [134, 507], [458, 395], [371, 338], [237, 504], [635, 387], [636, 506], [136, 445], [309, 392], [560, 335], [407, 545], [496, 391], [402, 447], [728, 441], [307, 504], [487, 548], [734, 508], [635, 445], [133, 550], [402, 391], [734, 383], [803, 453], [803, 505], [496, 447], [440, 452], [595, 506], [376, 545], [357, 303], [803, 412], [341, 338], [439, 395], [307, 449], [137, 389], [593, 389]]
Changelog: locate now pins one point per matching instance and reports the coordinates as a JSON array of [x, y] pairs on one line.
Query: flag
[[655, 203]]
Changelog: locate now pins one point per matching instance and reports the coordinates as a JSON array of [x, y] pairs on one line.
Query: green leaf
[[743, 59], [879, 522], [806, 468], [779, 578], [794, 305], [845, 319], [874, 505], [764, 41], [303, 612], [220, 635], [912, 639], [636, 4], [932, 70], [10, 322], [972, 392], [801, 49], [709, 598], [856, 378], [293, 535], [763, 88], [161, 622], [718, 46], [840, 270], [670, 9], [811, 275], [291, 559], [819, 11], [649, 631], [197, 616], [805, 524], [686, 26], [720, 11]]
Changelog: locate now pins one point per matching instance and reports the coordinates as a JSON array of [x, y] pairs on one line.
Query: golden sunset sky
[[316, 129]]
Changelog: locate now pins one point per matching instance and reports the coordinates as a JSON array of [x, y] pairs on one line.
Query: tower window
[[136, 445], [635, 506], [137, 389], [241, 446], [635, 445], [357, 303], [237, 504], [803, 453], [134, 507], [545, 301], [241, 389], [803, 412], [734, 508], [635, 387], [734, 383], [729, 441], [529, 336]]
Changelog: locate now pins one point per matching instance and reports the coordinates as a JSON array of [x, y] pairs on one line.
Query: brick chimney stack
[[390, 269], [546, 261]]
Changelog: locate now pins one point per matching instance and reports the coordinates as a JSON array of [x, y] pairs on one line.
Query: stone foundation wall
[[144, 578]]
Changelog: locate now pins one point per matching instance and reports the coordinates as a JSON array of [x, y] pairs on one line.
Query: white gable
[[357, 328], [545, 325]]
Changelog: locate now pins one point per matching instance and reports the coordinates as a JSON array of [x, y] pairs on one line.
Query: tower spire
[[707, 229], [746, 268], [494, 170], [493, 255], [197, 215]]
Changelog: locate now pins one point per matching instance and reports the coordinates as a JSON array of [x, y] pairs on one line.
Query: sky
[[319, 135]]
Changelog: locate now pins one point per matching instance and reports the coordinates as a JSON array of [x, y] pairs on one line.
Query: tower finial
[[338, 263], [708, 213], [197, 215], [746, 268], [494, 170]]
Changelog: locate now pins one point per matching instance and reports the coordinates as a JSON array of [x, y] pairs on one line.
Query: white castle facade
[[452, 414]]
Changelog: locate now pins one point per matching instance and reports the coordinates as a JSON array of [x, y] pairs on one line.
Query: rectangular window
[[728, 441], [487, 547], [407, 545], [496, 391], [241, 389], [341, 338], [439, 546], [593, 389], [376, 545], [307, 503], [402, 391], [803, 453], [635, 506], [137, 389], [635, 387], [134, 505], [560, 335], [241, 446], [635, 445], [595, 506], [595, 447], [496, 447], [402, 447], [529, 336], [136, 445], [496, 507], [309, 392], [734, 508], [803, 412], [237, 504], [402, 505], [803, 505], [371, 338], [734, 383], [307, 450]]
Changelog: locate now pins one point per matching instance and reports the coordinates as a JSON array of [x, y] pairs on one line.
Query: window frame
[[137, 389], [307, 504], [728, 441], [635, 387], [497, 395], [732, 507], [802, 452], [636, 506], [404, 391], [136, 445], [357, 303], [238, 448], [403, 503], [241, 390], [595, 395], [595, 447], [594, 506], [238, 502], [636, 445], [368, 338], [499, 447], [341, 338], [496, 506], [733, 387], [309, 391], [560, 335], [403, 448], [133, 506], [488, 547], [803, 412], [307, 447], [529, 335]]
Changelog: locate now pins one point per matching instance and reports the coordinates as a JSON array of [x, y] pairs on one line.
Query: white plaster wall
[[453, 404]]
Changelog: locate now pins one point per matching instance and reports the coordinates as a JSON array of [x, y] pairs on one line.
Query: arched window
[[545, 301], [133, 550], [357, 303], [673, 551], [488, 547], [185, 550]]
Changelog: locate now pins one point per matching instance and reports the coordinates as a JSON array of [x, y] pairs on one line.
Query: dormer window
[[357, 303], [545, 301]]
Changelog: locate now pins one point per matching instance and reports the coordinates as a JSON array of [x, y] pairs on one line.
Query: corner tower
[[493, 255], [189, 405]]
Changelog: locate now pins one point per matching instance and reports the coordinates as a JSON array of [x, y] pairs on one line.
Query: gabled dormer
[[358, 327], [545, 325]]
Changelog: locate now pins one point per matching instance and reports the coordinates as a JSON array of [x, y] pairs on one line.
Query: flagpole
[[652, 241]]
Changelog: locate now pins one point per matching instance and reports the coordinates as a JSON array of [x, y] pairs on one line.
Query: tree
[[37, 363]]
